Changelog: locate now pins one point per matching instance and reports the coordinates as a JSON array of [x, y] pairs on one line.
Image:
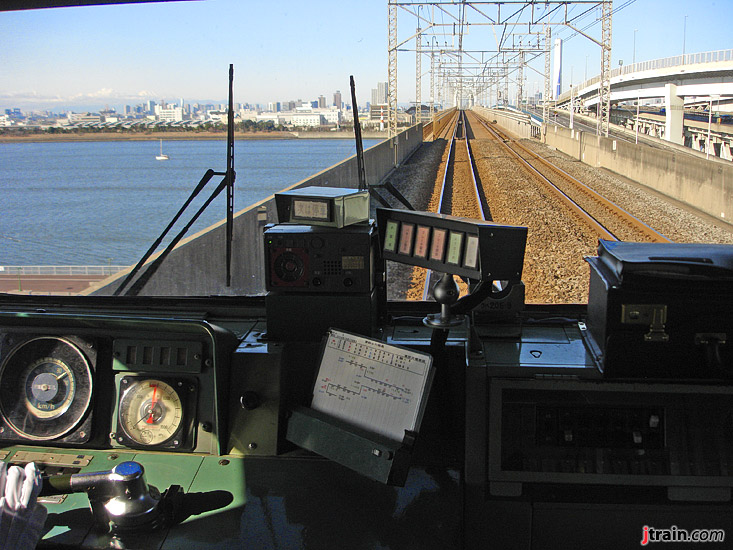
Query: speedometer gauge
[[45, 388], [49, 387]]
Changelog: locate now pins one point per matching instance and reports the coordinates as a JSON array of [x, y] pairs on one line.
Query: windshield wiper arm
[[153, 267], [204, 180]]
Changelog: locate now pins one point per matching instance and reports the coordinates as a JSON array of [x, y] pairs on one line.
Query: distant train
[[702, 116]]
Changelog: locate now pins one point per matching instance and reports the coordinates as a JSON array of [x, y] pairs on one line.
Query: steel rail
[[483, 208], [441, 200], [612, 208], [599, 229]]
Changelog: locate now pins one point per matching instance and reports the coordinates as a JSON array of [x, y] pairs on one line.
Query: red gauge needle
[[152, 405]]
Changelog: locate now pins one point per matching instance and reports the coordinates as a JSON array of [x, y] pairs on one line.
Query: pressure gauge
[[152, 413], [45, 388]]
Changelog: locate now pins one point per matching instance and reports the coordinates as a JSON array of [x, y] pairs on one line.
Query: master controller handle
[[446, 293], [120, 498]]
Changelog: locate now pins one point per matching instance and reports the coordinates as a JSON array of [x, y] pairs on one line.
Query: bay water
[[105, 202]]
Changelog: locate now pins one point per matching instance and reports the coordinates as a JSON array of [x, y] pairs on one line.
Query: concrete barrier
[[197, 265], [441, 120], [699, 182]]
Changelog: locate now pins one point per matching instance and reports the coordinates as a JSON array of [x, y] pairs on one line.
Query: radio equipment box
[[321, 277], [304, 258], [324, 206], [662, 311]]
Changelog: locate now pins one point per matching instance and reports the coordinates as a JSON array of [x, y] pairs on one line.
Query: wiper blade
[[204, 180]]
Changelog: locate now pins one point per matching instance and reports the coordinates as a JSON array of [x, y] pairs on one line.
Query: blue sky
[[86, 57]]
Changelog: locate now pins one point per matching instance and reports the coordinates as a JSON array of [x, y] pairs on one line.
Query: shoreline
[[182, 136]]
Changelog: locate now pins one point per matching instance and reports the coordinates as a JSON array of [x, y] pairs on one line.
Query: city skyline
[[124, 54], [176, 101]]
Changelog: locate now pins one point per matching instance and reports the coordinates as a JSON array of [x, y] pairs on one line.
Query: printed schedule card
[[372, 385]]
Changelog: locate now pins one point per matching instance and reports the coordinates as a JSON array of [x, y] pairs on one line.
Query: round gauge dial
[[45, 388], [150, 412], [49, 387]]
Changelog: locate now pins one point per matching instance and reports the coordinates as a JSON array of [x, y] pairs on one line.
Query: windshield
[[109, 123]]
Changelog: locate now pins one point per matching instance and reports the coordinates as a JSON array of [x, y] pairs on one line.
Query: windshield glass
[[110, 116]]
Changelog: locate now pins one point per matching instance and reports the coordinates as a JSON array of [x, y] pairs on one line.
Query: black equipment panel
[[450, 244], [662, 311], [100, 381], [303, 258], [622, 434]]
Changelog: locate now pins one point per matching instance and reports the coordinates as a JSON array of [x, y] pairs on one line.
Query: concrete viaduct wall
[[699, 182], [197, 265]]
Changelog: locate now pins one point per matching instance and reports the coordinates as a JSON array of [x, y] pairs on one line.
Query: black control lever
[[120, 498]]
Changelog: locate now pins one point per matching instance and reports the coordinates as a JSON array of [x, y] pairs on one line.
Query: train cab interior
[[320, 414]]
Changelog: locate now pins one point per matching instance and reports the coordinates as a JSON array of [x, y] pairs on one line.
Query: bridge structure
[[676, 85]]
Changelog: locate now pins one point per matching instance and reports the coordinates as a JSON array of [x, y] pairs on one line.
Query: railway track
[[604, 218], [554, 268], [458, 193]]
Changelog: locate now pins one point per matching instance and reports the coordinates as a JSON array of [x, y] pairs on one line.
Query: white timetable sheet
[[372, 385]]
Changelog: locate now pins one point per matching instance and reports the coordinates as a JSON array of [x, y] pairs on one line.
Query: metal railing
[[61, 269]]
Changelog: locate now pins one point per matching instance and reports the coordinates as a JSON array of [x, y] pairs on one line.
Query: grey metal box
[[324, 206]]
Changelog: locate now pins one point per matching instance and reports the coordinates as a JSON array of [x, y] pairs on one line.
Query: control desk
[[525, 439]]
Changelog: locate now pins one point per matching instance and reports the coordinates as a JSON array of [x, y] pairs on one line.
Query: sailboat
[[161, 156]]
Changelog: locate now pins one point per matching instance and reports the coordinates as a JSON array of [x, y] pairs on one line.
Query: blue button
[[128, 468]]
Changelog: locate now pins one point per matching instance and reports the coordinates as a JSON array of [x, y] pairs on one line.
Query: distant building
[[376, 117], [321, 102], [379, 94], [268, 116], [79, 118], [244, 114], [307, 120], [331, 116], [169, 114], [378, 112], [337, 99]]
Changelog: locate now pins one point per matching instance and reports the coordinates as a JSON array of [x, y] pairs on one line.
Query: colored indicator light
[[437, 249], [421, 241], [406, 233], [454, 248], [470, 258], [390, 236]]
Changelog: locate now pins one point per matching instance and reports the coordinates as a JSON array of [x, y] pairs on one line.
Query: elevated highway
[[693, 75], [681, 80]]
